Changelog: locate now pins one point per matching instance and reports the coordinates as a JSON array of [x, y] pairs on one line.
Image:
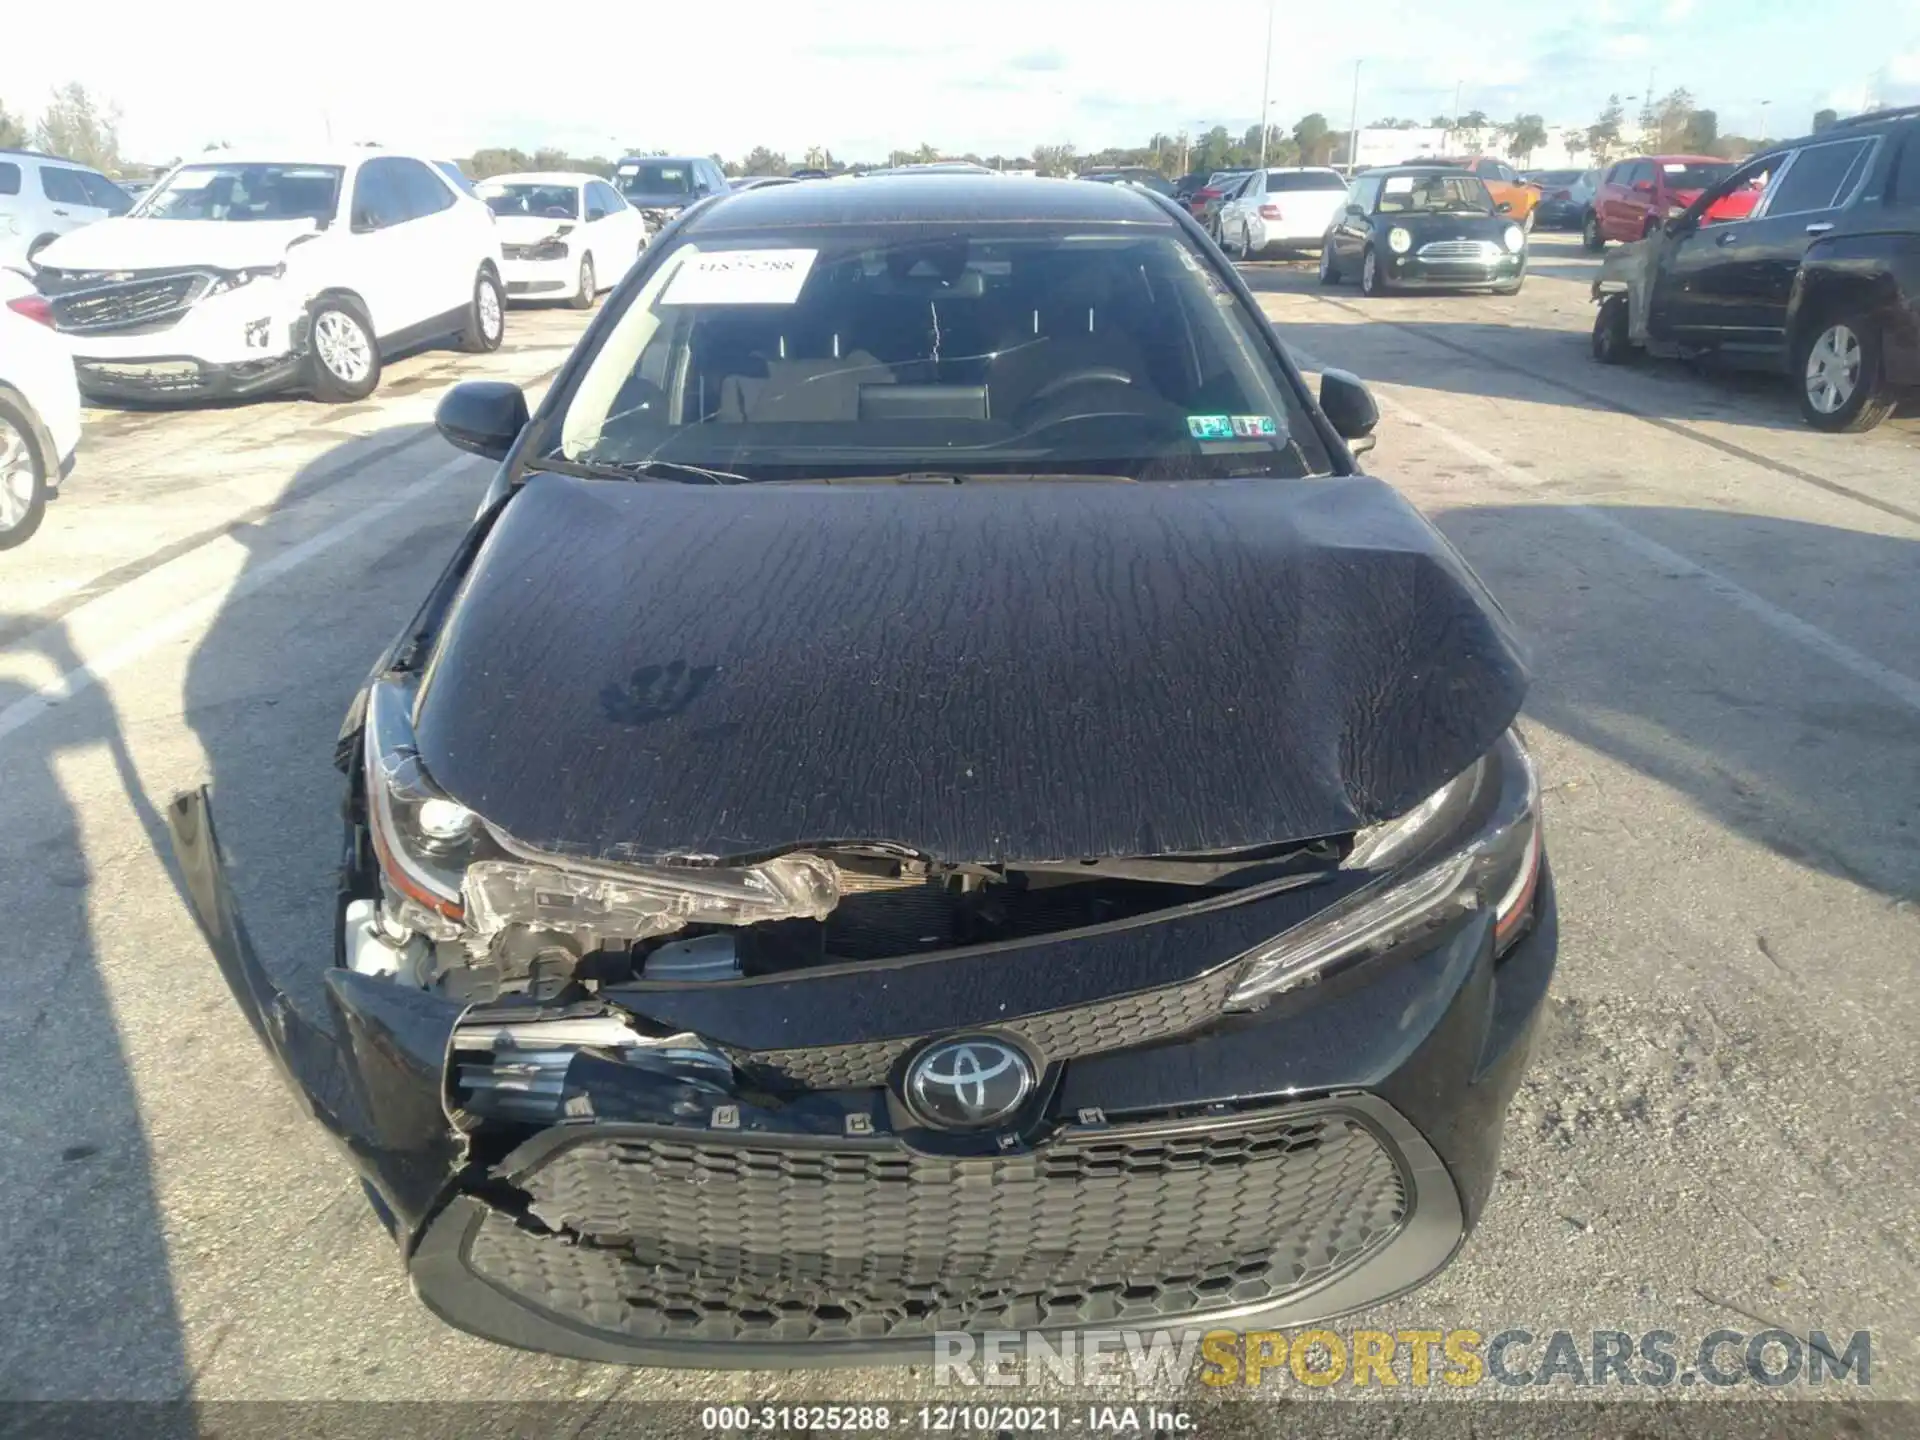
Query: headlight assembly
[[1473, 844], [451, 875], [235, 279], [1515, 238], [1399, 239]]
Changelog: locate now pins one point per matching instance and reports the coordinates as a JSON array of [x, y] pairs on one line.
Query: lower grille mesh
[[666, 1239]]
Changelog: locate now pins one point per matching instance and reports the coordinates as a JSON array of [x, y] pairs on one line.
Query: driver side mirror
[[482, 417], [1505, 207], [1350, 408]]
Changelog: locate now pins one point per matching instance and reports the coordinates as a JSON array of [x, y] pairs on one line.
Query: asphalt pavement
[[1718, 1129]]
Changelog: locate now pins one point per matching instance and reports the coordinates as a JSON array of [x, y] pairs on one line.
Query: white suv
[[43, 197], [238, 275]]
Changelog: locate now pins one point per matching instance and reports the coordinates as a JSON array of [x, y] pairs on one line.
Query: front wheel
[[345, 357], [23, 478], [1590, 235], [1372, 282], [1611, 343], [1843, 386], [588, 285], [486, 316]]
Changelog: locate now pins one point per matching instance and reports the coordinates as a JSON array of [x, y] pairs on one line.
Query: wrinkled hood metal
[[132, 243], [980, 672]]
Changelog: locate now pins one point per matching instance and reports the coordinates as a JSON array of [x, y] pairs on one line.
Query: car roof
[[343, 155], [542, 177], [663, 159], [892, 199], [1435, 167]]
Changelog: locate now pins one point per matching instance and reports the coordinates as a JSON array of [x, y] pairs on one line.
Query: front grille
[[656, 1237], [1457, 252], [1057, 1034], [134, 304]]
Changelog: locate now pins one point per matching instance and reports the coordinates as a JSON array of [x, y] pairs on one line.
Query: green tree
[[1823, 118], [1700, 133], [13, 130], [762, 161], [80, 128], [1315, 140], [818, 157], [1524, 135], [925, 155], [1604, 134], [1055, 159], [1670, 118], [1473, 120], [497, 161], [1440, 122]]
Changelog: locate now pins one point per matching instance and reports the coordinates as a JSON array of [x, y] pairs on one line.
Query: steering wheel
[[1090, 375]]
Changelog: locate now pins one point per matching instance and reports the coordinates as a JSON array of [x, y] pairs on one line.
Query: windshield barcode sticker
[[741, 277]]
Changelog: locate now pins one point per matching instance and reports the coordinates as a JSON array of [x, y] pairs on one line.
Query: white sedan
[[1289, 208], [563, 236], [39, 409]]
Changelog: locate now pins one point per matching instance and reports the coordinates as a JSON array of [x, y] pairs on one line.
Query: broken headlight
[[234, 279], [436, 853], [1473, 844]]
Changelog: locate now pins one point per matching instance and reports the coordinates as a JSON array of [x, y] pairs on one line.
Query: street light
[[1763, 120], [1353, 122], [1266, 87]]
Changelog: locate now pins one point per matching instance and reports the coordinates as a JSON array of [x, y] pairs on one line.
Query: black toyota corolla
[[933, 797]]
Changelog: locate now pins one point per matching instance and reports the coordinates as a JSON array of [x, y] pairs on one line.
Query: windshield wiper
[[638, 470]]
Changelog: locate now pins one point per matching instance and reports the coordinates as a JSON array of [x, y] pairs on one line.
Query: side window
[[378, 200], [421, 191], [1905, 189], [1365, 194], [63, 186], [1820, 177], [104, 193], [1641, 173], [9, 178], [596, 204]]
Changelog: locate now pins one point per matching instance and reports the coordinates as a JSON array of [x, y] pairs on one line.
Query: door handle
[[58, 211], [1820, 227], [1727, 238]]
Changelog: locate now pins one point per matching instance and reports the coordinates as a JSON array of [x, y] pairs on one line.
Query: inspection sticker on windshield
[[1210, 427], [741, 277], [1673, 169], [1254, 426], [1399, 184]]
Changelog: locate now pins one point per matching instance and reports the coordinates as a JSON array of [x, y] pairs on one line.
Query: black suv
[[661, 186], [1820, 278]]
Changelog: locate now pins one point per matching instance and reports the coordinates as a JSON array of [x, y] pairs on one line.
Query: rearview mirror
[[1349, 407], [483, 417]]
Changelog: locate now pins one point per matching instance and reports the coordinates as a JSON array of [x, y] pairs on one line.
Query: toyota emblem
[[968, 1082]]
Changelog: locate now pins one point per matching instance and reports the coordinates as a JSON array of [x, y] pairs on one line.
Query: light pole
[[1763, 120], [1353, 122], [1266, 87]]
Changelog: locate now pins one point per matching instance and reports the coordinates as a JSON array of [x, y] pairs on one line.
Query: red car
[[1636, 196]]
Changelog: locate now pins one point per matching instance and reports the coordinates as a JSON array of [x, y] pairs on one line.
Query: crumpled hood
[[131, 243], [529, 229], [981, 672]]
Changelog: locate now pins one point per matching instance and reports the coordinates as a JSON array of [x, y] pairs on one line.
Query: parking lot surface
[[1718, 1127]]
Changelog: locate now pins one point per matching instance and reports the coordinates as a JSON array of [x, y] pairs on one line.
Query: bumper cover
[[1273, 1168], [182, 377], [1410, 272]]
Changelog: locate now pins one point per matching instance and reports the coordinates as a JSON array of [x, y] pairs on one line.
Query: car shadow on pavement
[[90, 1311], [1826, 774]]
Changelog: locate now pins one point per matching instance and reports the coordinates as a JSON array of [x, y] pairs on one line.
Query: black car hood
[[1425, 228], [996, 672]]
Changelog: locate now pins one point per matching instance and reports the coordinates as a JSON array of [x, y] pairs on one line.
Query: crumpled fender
[[371, 1069]]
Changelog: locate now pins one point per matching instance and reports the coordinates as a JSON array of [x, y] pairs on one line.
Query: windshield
[[1434, 195], [1680, 175], [1556, 177], [656, 177], [555, 202], [1013, 350], [246, 192]]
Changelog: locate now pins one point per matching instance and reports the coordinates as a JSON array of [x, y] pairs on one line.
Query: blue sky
[[987, 75]]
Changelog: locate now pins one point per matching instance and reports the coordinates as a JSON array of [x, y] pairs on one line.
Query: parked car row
[[43, 197]]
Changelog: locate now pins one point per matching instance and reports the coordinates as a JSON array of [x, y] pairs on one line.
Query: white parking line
[[144, 641], [1901, 687]]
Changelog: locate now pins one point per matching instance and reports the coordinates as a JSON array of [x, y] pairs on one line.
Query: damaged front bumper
[[1177, 1164]]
